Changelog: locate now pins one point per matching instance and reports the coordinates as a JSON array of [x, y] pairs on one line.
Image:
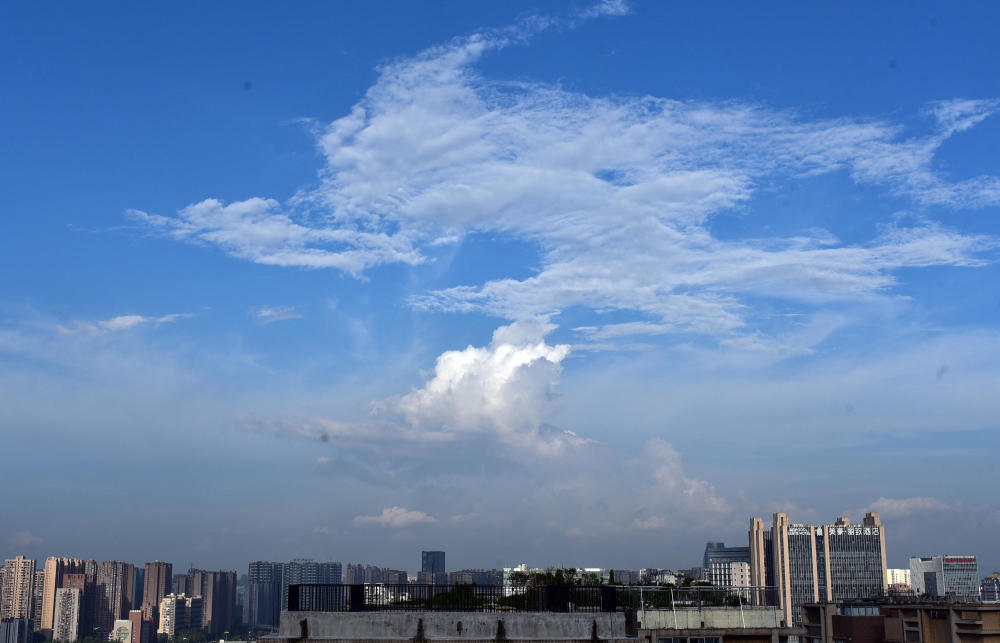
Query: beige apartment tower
[[55, 567]]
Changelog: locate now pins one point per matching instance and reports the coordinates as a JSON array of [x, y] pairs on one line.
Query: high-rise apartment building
[[809, 564], [17, 588], [718, 552], [394, 576], [138, 580], [141, 629], [16, 630], [87, 618], [432, 568], [55, 567], [218, 593], [989, 589], [36, 602], [157, 583], [114, 593], [264, 594], [432, 561], [66, 614], [945, 575], [179, 613], [354, 574], [308, 571]]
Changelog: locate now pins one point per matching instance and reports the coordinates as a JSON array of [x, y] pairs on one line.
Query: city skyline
[[543, 282]]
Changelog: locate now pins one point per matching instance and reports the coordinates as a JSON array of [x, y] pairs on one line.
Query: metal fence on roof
[[508, 598]]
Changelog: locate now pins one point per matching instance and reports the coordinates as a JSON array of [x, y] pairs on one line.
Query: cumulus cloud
[[506, 389], [396, 518], [899, 507], [119, 323], [271, 314], [670, 480]]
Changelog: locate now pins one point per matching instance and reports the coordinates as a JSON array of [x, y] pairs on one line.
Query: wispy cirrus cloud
[[396, 518], [23, 539], [271, 314], [899, 507], [119, 323], [618, 193]]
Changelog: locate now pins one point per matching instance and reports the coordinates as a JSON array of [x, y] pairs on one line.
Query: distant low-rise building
[[897, 576], [945, 575], [476, 577], [729, 573], [657, 576], [989, 588]]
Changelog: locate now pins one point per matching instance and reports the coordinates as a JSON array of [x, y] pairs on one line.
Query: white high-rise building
[[729, 573], [17, 588], [66, 614]]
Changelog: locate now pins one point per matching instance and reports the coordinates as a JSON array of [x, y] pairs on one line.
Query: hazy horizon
[[560, 283]]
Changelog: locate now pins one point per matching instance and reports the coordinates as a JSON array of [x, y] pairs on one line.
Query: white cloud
[[899, 507], [617, 192], [23, 539], [325, 530], [670, 480], [505, 389], [257, 230], [396, 518], [606, 8], [653, 522], [119, 323], [460, 518], [271, 314]]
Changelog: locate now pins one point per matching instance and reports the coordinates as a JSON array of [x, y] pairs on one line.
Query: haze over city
[[559, 283]]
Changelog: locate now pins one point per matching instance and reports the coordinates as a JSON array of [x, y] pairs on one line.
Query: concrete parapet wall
[[457, 626], [710, 617]]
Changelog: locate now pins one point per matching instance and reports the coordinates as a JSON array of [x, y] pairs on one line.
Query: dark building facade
[[718, 552], [308, 571], [114, 586], [157, 584], [16, 630], [432, 561], [264, 594]]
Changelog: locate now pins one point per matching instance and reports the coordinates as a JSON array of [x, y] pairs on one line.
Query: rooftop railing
[[509, 598]]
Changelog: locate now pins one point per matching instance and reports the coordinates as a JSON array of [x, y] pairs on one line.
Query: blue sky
[[523, 282]]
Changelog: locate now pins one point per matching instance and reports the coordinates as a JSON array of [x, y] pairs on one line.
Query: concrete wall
[[710, 617], [535, 626]]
